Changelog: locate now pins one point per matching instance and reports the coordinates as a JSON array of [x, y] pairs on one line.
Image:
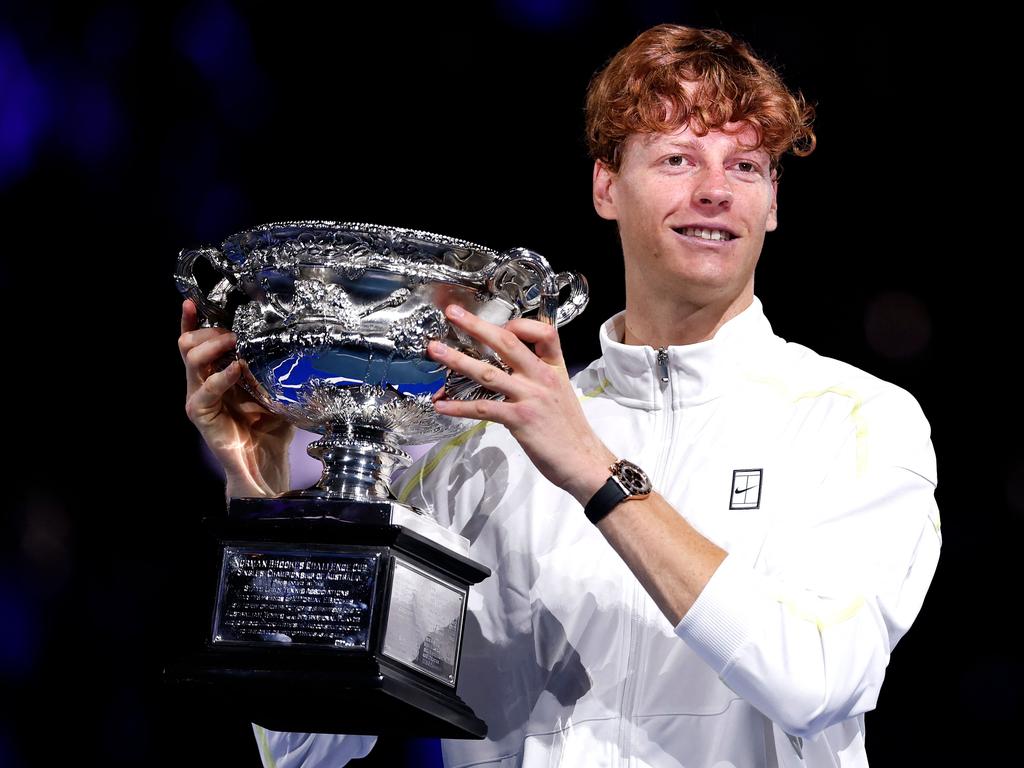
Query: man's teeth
[[707, 234]]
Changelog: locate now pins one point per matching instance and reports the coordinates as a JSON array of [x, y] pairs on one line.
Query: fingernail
[[438, 348], [454, 310]]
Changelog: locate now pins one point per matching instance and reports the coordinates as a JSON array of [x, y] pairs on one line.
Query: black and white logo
[[746, 489]]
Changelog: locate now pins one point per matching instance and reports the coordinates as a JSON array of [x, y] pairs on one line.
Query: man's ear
[[603, 189], [772, 222]]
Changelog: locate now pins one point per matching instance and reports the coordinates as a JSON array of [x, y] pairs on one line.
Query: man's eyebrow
[[690, 144], [699, 145]]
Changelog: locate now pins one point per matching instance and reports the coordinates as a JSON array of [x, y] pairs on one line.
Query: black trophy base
[[334, 616], [301, 693]]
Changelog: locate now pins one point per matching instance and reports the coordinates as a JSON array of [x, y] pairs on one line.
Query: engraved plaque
[[424, 622], [294, 596]]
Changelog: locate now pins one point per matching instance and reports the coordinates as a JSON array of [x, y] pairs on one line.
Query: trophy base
[[332, 617], [315, 695], [322, 513]]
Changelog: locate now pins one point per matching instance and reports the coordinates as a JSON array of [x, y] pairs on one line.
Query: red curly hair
[[639, 91]]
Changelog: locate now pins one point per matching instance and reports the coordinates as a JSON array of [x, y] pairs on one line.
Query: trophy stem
[[358, 464]]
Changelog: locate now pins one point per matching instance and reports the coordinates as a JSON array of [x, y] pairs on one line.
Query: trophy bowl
[[338, 607], [333, 321]]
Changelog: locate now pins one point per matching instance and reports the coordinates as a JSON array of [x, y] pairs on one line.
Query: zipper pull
[[663, 362]]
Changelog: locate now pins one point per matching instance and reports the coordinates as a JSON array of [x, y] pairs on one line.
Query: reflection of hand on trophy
[[338, 607], [249, 442]]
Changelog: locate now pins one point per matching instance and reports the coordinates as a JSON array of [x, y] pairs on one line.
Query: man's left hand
[[540, 409]]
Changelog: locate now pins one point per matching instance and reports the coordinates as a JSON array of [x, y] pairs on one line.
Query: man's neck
[[660, 325]]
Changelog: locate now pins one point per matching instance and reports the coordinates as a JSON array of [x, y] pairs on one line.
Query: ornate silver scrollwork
[[333, 321]]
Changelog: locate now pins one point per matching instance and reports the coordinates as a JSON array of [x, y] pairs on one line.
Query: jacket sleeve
[[281, 749], [806, 634]]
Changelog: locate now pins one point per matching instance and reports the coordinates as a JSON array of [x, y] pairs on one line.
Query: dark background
[[128, 133]]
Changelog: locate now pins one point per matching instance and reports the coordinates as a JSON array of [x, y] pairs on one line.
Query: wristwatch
[[627, 482]]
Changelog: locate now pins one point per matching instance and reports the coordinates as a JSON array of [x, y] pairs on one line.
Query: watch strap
[[609, 496]]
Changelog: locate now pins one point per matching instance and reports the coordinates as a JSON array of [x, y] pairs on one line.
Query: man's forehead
[[737, 135]]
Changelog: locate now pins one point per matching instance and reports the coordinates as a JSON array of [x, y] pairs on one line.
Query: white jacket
[[817, 478]]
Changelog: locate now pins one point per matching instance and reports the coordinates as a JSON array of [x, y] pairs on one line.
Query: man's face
[[670, 182]]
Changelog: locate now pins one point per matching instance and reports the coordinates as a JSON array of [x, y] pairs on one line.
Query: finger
[[483, 409], [208, 397], [201, 357], [479, 371], [192, 339], [189, 319], [203, 346], [503, 341], [544, 337]]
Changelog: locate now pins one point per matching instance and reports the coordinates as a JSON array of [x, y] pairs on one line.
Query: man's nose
[[713, 188]]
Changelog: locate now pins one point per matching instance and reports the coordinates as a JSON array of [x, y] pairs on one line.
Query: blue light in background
[[545, 15], [221, 207], [57, 102], [93, 125], [111, 34], [25, 110], [216, 39], [9, 757], [19, 636]]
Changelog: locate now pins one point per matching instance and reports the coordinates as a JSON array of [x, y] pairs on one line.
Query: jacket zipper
[[635, 656], [658, 475]]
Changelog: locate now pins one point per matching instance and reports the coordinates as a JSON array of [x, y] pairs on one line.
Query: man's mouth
[[706, 234]]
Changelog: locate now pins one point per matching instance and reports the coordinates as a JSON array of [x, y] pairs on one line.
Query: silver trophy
[[338, 608]]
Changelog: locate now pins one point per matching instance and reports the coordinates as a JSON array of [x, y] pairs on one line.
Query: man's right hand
[[250, 442]]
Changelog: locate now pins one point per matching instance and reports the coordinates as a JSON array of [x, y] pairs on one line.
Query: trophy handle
[[576, 302], [209, 312], [553, 313], [543, 294]]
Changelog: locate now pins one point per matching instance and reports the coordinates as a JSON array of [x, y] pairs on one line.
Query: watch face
[[633, 479]]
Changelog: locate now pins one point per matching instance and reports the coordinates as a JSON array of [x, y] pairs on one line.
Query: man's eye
[[675, 160], [751, 167]]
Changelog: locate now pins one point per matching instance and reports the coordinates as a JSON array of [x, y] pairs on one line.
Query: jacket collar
[[697, 372]]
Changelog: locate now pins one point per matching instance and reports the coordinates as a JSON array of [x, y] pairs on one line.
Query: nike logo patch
[[746, 489]]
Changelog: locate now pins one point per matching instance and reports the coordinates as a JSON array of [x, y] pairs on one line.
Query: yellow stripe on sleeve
[[430, 466], [822, 620], [268, 758], [859, 422]]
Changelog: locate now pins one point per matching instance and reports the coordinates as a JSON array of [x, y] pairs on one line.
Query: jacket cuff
[[724, 615]]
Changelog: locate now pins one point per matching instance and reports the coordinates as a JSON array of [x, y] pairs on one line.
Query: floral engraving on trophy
[[333, 320]]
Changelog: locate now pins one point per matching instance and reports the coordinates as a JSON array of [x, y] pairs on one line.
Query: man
[[741, 613]]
